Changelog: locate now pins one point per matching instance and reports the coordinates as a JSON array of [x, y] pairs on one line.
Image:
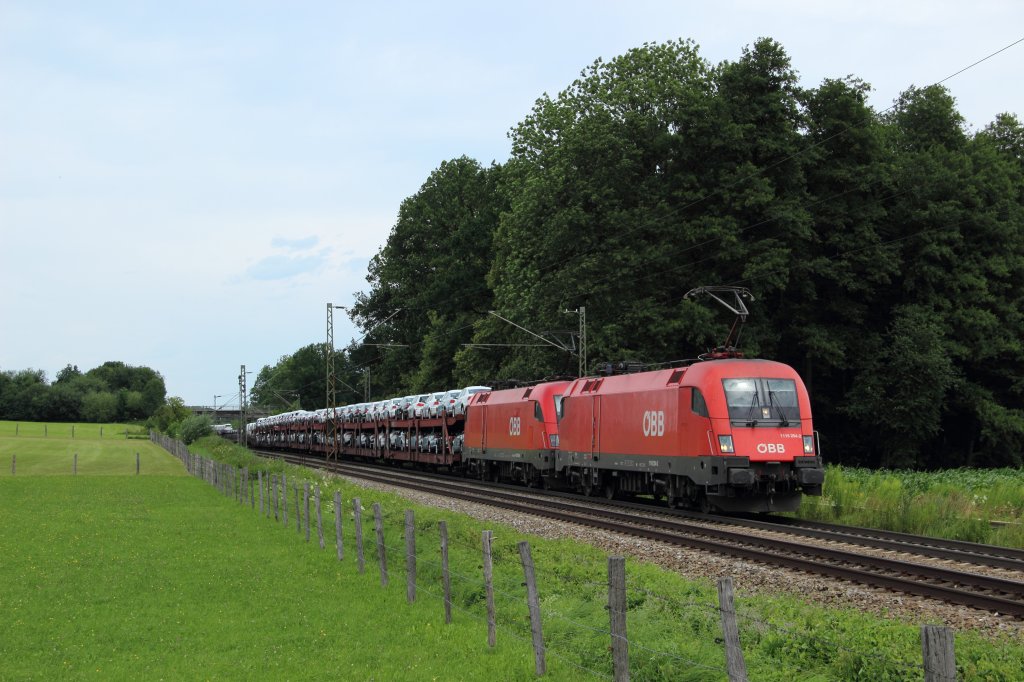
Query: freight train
[[720, 433]]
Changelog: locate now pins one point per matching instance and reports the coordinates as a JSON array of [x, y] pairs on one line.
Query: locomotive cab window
[[782, 398], [559, 407], [759, 400], [537, 414]]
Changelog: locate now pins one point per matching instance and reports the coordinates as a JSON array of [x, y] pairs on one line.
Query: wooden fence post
[[492, 638], [533, 601], [284, 499], [446, 579], [410, 556], [136, 464], [938, 652], [276, 506], [337, 525], [617, 616], [259, 477], [319, 518], [305, 499], [298, 514], [357, 508], [737, 667], [382, 556]]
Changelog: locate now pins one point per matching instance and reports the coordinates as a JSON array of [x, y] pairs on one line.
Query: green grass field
[[56, 457], [162, 577], [74, 431]]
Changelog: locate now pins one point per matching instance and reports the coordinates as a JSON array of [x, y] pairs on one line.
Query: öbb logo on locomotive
[[515, 426], [654, 423], [771, 448]]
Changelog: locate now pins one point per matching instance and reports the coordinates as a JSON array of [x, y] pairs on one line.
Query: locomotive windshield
[[759, 400]]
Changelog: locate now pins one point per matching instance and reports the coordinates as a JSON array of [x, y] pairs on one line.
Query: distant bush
[[195, 427]]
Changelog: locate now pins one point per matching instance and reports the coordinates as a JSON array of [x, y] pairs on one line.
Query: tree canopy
[[885, 250], [112, 392]]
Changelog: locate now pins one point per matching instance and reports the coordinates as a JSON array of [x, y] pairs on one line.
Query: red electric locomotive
[[513, 434], [726, 434]]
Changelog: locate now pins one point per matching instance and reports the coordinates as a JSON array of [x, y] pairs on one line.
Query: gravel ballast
[[749, 578]]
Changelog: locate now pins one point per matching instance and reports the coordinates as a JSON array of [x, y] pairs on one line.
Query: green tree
[[594, 188], [99, 407], [68, 373], [297, 379], [23, 394], [194, 427], [171, 413], [428, 282], [958, 229], [899, 394]]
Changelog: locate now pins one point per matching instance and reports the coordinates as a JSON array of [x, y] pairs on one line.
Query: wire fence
[[584, 627]]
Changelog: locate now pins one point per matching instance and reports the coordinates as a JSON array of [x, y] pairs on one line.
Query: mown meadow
[[45, 450], [975, 505], [160, 576]]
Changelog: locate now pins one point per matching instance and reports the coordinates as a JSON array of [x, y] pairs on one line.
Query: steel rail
[[843, 564]]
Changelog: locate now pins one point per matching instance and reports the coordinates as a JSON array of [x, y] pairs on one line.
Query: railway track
[[727, 536]]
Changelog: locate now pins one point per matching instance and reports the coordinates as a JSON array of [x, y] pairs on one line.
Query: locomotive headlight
[[725, 444], [808, 445]]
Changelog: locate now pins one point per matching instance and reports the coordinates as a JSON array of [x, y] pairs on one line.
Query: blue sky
[[185, 185]]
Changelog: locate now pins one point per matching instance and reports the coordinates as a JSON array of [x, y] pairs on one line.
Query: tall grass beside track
[[162, 577], [960, 504]]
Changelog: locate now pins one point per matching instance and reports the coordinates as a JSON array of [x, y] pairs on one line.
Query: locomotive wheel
[[705, 505], [587, 484], [609, 489]]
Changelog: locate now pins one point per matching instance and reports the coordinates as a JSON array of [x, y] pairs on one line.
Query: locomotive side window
[[537, 414], [559, 407], [697, 403]]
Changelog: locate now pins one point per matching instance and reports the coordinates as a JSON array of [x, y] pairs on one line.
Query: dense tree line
[[885, 250], [112, 392]]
